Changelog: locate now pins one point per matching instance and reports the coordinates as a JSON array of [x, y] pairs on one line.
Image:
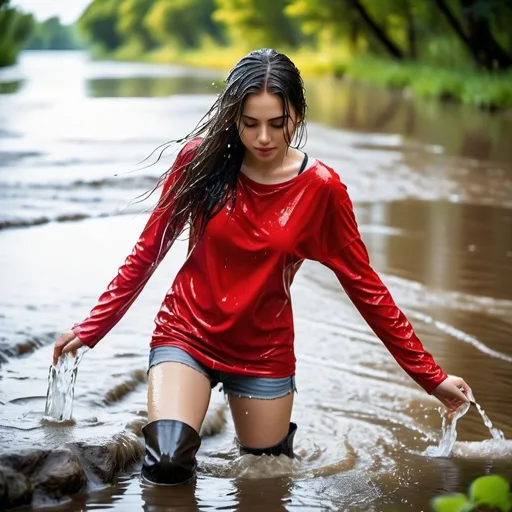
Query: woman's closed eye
[[253, 125]]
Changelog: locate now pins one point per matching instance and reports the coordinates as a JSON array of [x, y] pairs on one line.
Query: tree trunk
[[480, 43], [377, 30], [354, 36], [411, 34], [482, 39], [457, 27]]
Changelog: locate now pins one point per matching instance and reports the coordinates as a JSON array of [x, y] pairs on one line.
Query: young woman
[[257, 207]]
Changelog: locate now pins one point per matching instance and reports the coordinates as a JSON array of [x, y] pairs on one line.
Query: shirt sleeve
[[152, 245], [344, 252]]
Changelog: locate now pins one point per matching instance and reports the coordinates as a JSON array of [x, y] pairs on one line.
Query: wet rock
[[68, 469], [136, 426], [23, 462], [53, 473], [15, 489], [107, 460], [60, 473], [63, 471]]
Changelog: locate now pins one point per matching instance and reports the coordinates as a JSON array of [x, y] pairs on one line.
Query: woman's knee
[[261, 423], [178, 392]]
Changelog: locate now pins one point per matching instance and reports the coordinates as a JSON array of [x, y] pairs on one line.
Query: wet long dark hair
[[209, 180]]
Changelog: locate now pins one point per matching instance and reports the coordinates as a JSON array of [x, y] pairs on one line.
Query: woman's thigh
[[261, 423], [177, 391]]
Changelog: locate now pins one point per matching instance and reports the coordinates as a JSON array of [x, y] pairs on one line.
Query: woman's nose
[[264, 135]]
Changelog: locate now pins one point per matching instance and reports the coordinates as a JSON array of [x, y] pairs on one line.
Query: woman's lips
[[265, 151]]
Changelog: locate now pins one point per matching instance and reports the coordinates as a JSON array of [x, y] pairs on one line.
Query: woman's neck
[[280, 168], [278, 164]]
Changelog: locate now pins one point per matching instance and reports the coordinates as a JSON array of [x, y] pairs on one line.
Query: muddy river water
[[432, 188]]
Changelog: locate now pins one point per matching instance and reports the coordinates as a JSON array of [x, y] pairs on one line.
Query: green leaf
[[491, 490], [451, 503]]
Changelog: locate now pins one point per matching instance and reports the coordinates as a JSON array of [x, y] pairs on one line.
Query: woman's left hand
[[453, 392]]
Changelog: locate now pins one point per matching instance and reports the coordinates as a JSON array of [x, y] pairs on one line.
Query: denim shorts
[[232, 383]]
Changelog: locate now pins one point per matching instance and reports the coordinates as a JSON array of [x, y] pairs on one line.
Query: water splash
[[449, 432], [496, 434], [61, 387], [449, 429]]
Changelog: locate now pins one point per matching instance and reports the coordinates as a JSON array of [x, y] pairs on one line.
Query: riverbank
[[480, 89]]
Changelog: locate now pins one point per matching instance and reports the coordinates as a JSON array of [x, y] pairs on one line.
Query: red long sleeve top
[[229, 305]]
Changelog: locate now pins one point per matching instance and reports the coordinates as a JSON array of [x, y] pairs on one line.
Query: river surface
[[432, 188]]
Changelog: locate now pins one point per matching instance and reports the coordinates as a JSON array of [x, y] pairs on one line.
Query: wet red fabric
[[229, 305]]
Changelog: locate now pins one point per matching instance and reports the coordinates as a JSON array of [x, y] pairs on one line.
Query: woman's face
[[262, 127]]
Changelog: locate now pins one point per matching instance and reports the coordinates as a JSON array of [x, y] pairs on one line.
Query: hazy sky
[[67, 10]]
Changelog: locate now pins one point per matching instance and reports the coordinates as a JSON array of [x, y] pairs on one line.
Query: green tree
[[130, 22], [251, 23], [52, 35], [329, 21], [184, 23], [474, 28], [98, 24], [15, 29]]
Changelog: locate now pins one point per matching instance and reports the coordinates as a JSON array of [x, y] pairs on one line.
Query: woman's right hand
[[67, 342]]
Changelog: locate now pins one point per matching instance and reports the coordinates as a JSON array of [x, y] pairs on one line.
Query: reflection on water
[[432, 187], [10, 87], [450, 129], [150, 87], [456, 246]]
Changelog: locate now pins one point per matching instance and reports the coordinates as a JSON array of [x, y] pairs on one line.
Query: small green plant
[[487, 493]]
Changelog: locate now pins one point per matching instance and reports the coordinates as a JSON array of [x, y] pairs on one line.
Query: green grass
[[478, 88]]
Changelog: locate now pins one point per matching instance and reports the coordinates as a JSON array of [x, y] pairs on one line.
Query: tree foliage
[[257, 23], [51, 34], [447, 32], [99, 24], [130, 23], [184, 23], [15, 29]]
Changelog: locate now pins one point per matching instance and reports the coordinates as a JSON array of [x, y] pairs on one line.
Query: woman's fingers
[[453, 392], [61, 345], [460, 395], [72, 346], [466, 389]]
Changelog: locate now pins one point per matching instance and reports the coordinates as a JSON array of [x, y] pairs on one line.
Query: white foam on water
[[488, 449]]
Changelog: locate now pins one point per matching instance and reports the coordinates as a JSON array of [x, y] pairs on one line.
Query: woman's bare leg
[[261, 423], [178, 392]]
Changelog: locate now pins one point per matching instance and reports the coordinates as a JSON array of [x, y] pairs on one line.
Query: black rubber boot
[[285, 447], [171, 448]]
